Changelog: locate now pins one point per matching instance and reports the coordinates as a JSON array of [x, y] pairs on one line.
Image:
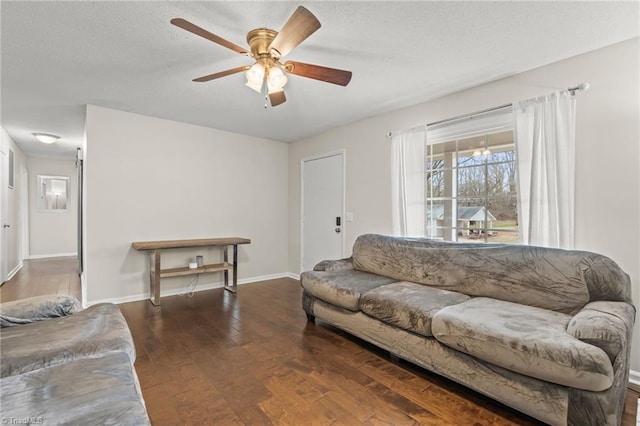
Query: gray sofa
[[545, 331], [60, 364]]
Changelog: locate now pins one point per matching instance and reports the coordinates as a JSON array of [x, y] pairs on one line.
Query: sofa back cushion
[[560, 280]]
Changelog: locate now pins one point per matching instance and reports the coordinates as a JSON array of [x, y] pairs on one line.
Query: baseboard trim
[[178, 291], [293, 276], [46, 256], [14, 271]]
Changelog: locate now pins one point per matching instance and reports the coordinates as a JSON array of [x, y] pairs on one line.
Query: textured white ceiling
[[58, 56]]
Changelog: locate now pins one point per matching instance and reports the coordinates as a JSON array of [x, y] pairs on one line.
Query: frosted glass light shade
[[255, 86], [276, 79], [46, 138], [255, 77]]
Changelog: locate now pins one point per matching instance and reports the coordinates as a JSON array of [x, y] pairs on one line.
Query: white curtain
[[545, 144], [407, 182]]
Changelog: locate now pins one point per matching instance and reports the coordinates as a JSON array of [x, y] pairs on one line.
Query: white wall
[[14, 210], [52, 233], [153, 179], [608, 154]]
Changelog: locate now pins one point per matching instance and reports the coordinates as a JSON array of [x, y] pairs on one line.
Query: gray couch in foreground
[[545, 331], [63, 365]]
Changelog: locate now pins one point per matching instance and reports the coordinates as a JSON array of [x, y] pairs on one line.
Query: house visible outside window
[[470, 179]]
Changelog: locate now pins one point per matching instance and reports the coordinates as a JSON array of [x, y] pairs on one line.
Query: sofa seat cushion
[[94, 331], [341, 288], [92, 391], [524, 339], [407, 305]]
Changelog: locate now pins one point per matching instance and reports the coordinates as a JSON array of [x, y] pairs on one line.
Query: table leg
[[226, 271], [235, 268], [155, 277]]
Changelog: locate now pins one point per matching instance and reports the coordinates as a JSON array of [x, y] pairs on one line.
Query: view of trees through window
[[471, 191]]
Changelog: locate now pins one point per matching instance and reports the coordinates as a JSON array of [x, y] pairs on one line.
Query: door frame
[[24, 201], [341, 153], [4, 211]]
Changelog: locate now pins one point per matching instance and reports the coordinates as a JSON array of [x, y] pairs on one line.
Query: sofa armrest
[[32, 309], [335, 265], [605, 324]]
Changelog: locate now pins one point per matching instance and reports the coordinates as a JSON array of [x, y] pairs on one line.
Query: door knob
[[337, 230], [6, 225]]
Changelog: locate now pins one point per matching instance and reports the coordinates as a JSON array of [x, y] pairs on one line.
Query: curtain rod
[[484, 111], [582, 87], [454, 118], [579, 88]]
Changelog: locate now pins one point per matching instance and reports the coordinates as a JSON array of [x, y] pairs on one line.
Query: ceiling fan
[[268, 47]]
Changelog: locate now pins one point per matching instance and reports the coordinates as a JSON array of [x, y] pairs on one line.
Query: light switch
[[348, 216]]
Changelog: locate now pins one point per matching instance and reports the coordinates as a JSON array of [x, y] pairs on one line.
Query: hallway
[[57, 275]]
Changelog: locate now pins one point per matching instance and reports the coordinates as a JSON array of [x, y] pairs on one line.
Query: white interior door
[[322, 209]]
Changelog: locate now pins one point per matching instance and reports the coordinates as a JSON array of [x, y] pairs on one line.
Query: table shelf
[[178, 272]]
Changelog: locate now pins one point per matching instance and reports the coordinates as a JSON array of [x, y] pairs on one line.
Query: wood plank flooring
[[56, 275], [252, 358]]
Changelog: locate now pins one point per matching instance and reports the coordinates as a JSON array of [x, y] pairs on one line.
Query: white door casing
[[24, 217], [4, 254], [321, 208]]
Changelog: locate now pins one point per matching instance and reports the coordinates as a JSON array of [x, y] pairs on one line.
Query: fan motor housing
[[259, 41]]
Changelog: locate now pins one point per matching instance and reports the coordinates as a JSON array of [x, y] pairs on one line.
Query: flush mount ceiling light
[[46, 138]]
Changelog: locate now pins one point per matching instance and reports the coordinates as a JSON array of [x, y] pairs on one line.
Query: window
[[470, 186]]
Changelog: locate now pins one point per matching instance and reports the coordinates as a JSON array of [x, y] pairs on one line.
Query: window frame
[[447, 138]]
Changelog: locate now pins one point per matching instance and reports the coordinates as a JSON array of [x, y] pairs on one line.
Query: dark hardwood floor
[[252, 358]]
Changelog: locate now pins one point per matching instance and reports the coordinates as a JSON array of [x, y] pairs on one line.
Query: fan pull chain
[[265, 101]]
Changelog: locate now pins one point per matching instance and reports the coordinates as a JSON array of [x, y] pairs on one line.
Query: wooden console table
[[156, 272]]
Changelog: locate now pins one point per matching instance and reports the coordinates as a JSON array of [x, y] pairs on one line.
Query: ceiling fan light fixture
[[255, 86], [46, 138], [276, 79], [255, 77], [267, 47], [275, 90]]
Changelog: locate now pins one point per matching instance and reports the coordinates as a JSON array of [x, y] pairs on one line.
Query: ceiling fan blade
[[317, 72], [221, 74], [277, 98], [299, 26], [193, 28]]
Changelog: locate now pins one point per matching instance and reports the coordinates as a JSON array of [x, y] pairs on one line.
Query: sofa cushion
[[334, 265], [524, 339], [38, 308], [96, 330], [605, 325], [409, 306], [92, 391], [342, 288], [536, 276]]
